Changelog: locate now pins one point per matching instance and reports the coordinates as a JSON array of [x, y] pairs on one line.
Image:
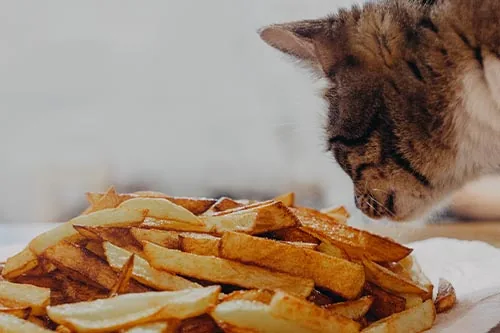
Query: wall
[[174, 95]]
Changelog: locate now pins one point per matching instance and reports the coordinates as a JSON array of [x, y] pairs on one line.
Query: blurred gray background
[[178, 96]]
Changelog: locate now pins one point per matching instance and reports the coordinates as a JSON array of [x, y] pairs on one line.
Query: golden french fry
[[384, 303], [446, 296], [288, 199], [340, 276], [120, 236], [390, 281], [309, 246], [221, 205], [308, 315], [411, 265], [21, 312], [224, 271], [170, 326], [163, 209], [19, 264], [202, 244], [254, 220], [133, 309], [63, 329], [14, 295], [165, 238], [110, 217], [352, 309], [337, 211], [294, 235], [73, 291], [332, 250], [110, 199], [13, 324], [256, 295], [95, 247], [122, 283], [200, 324], [196, 206], [413, 320], [412, 300], [172, 225], [143, 272]]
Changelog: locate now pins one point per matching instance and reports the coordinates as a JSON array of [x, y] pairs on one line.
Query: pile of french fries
[[148, 262]]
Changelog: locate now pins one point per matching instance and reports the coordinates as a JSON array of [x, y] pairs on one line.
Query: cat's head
[[387, 127]]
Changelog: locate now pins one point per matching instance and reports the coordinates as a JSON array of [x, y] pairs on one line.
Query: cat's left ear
[[309, 41]]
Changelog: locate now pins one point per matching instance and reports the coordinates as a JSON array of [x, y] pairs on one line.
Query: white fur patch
[[479, 126]]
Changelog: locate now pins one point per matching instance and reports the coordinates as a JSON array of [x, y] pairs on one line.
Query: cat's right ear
[[308, 41]]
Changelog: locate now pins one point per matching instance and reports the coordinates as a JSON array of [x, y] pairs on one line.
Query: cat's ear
[[309, 41]]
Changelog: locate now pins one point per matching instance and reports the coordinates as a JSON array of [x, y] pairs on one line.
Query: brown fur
[[397, 123]]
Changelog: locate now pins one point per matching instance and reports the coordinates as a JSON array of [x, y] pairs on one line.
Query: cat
[[413, 96]]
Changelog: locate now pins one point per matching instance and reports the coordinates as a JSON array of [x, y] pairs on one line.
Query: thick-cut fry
[[134, 309], [414, 320], [143, 272], [411, 265], [288, 199], [446, 297], [196, 206], [120, 236], [390, 281], [95, 247], [332, 250], [19, 264], [172, 225], [256, 295], [202, 244], [224, 271], [307, 314], [339, 213], [384, 303], [13, 324], [162, 209], [122, 283], [352, 309], [340, 276], [309, 246], [165, 238], [109, 217], [294, 235], [241, 316], [200, 324], [412, 300], [14, 295], [21, 312], [221, 205], [110, 199], [357, 243], [76, 291], [255, 220], [170, 326]]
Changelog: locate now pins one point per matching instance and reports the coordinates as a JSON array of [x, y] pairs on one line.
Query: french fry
[[309, 246], [163, 209], [21, 312], [390, 281], [339, 213], [357, 243], [255, 295], [221, 205], [110, 217], [196, 206], [42, 281], [165, 238], [202, 244], [446, 297], [76, 291], [170, 326], [332, 250], [384, 303], [254, 220], [143, 272], [122, 283], [412, 300], [294, 235], [411, 265], [13, 324], [242, 316], [120, 236], [413, 320], [19, 264], [200, 324], [172, 225], [63, 329], [309, 315], [224, 271], [95, 247], [128, 310], [340, 276], [39, 321], [352, 309], [288, 199], [110, 199], [14, 295]]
